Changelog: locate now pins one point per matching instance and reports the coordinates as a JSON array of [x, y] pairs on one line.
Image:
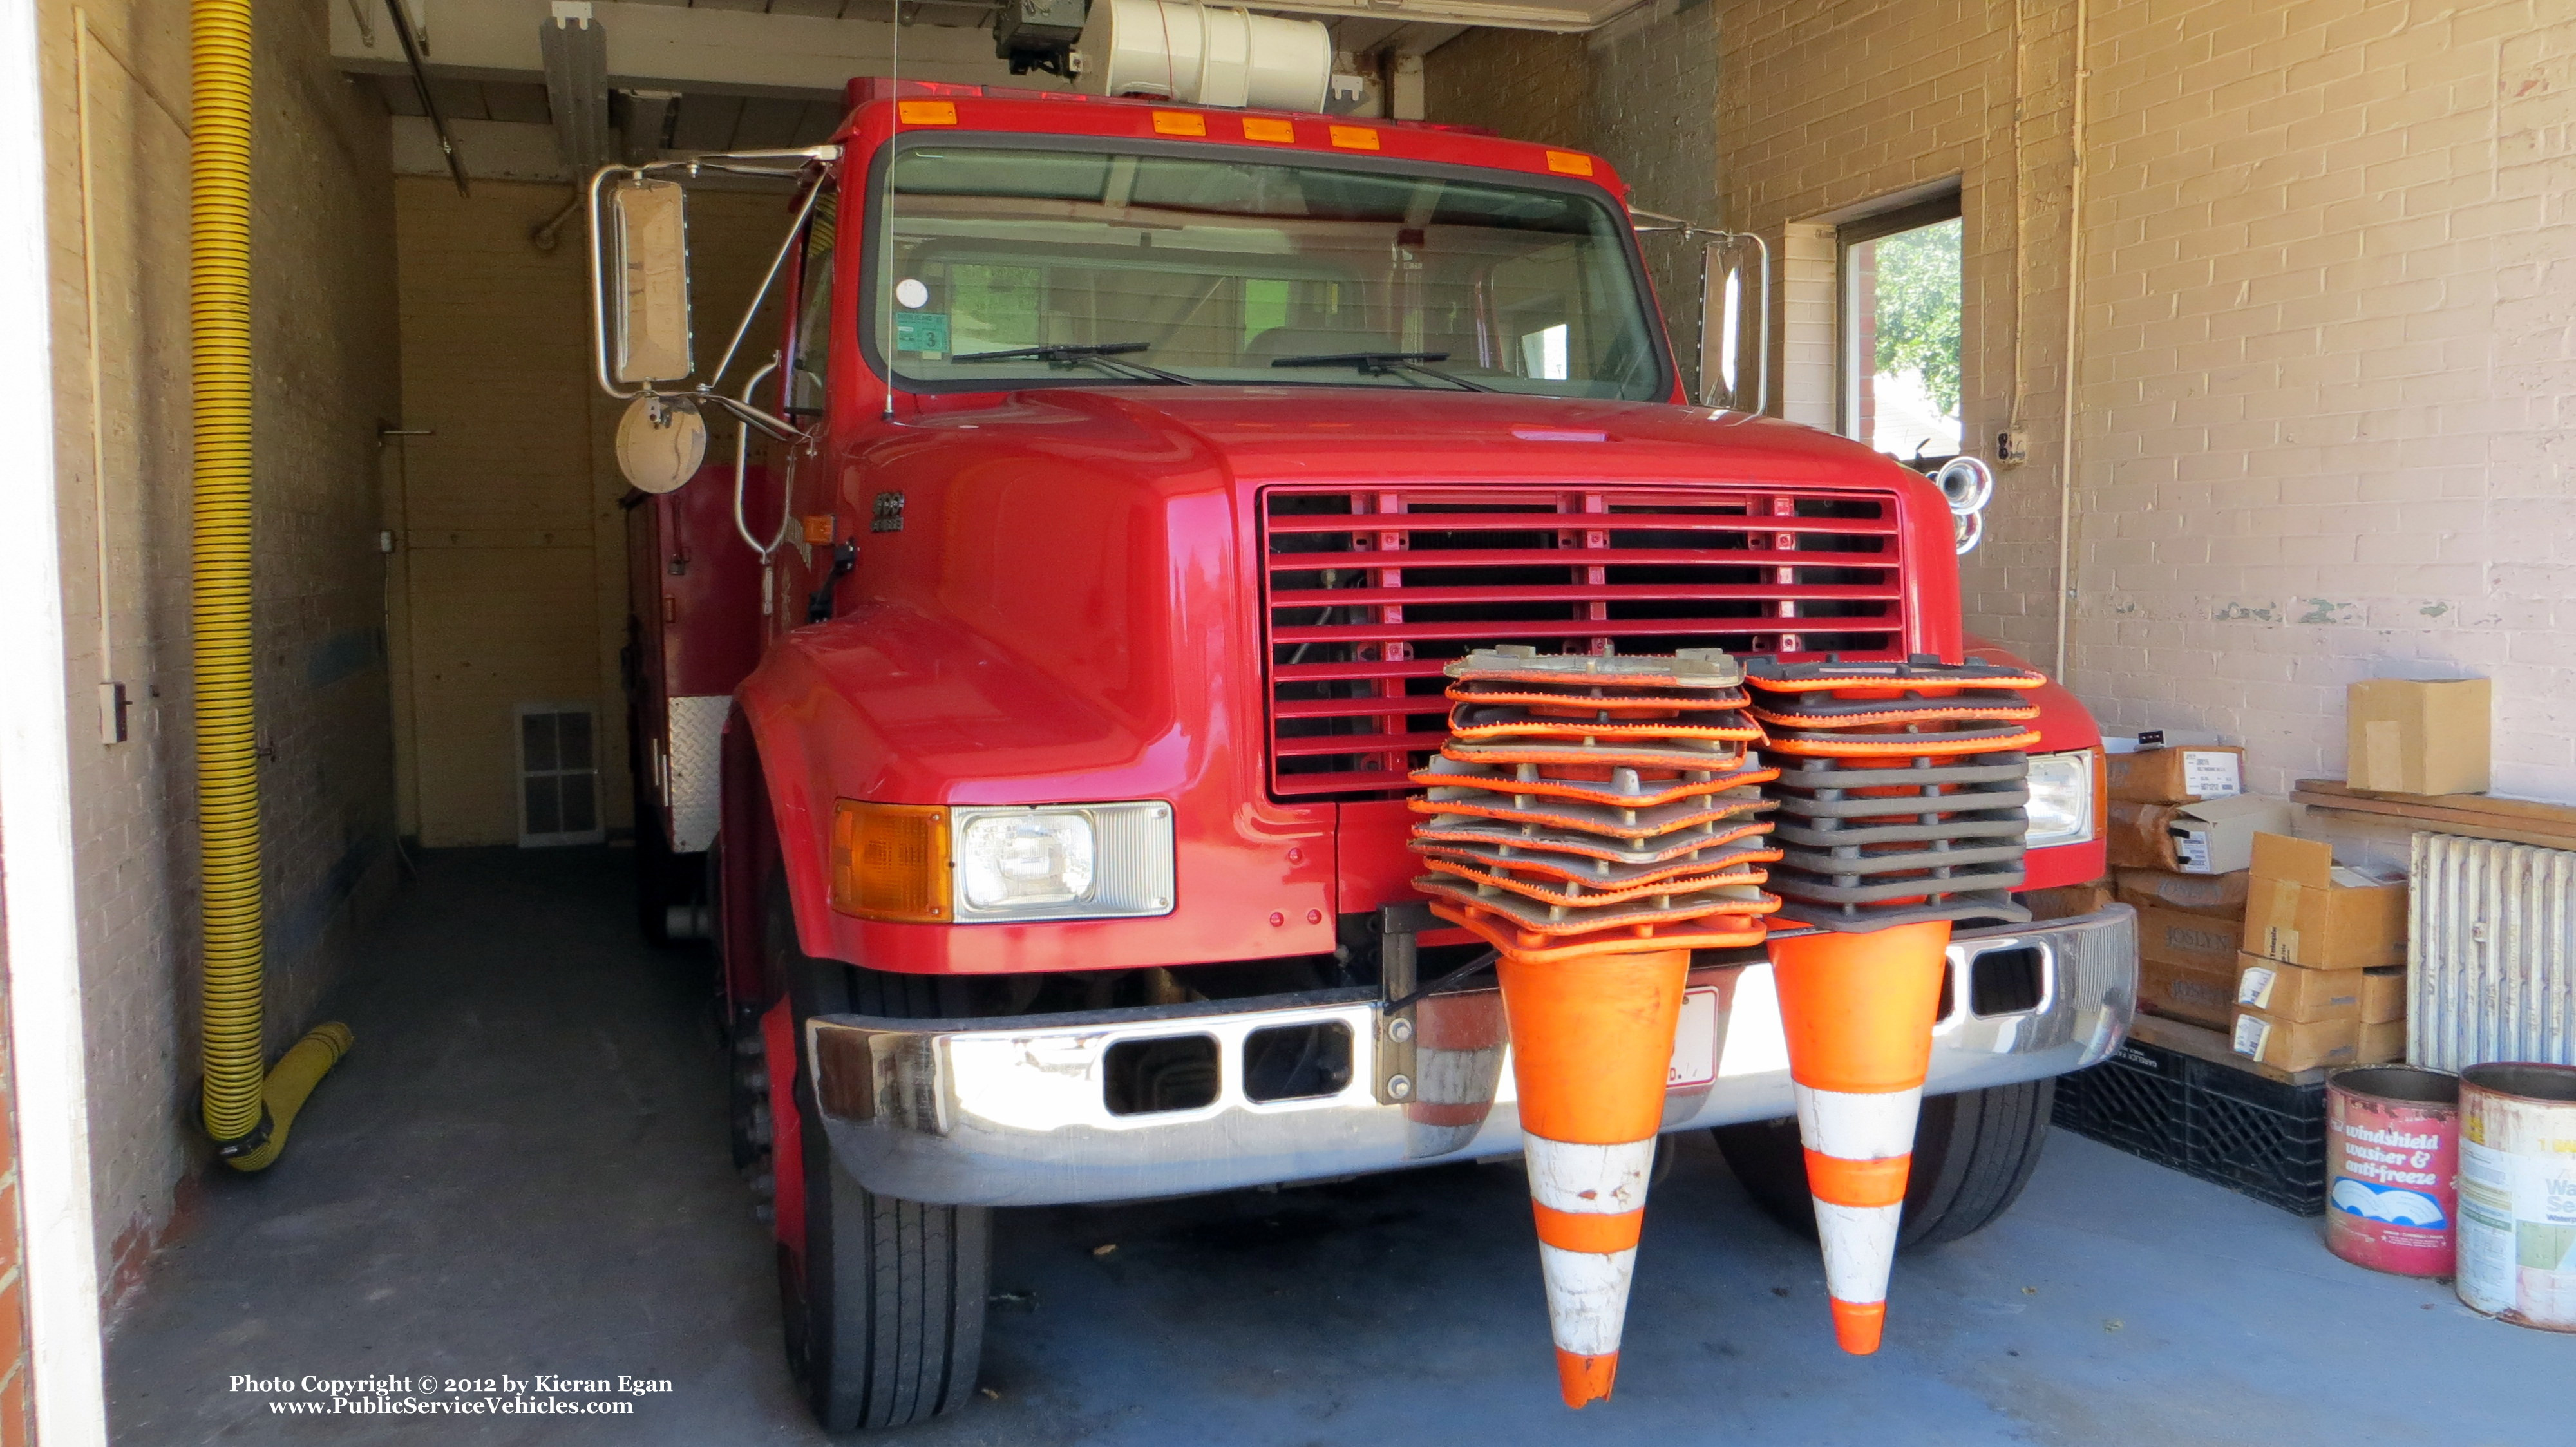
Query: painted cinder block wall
[[2324, 353], [115, 100], [510, 574]]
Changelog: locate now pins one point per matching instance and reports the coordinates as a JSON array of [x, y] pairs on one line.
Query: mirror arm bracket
[[775, 426], [786, 247], [599, 288]]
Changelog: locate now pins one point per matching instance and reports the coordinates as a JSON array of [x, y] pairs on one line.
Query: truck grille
[[1370, 592]]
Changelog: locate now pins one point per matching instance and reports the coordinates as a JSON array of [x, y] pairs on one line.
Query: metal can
[[2517, 1257], [2392, 1147]]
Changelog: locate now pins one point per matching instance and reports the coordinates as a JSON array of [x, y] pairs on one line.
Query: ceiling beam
[[701, 49], [1564, 16], [1423, 39], [666, 47], [576, 61]]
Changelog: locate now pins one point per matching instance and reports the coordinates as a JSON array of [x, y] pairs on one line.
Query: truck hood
[[1058, 597], [1325, 434]]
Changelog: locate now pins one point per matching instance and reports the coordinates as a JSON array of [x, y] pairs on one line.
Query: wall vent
[[2491, 953], [559, 775]]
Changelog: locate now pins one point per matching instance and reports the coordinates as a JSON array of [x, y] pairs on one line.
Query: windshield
[[1158, 269]]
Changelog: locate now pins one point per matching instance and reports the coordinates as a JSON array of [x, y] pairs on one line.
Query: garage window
[[1900, 279]]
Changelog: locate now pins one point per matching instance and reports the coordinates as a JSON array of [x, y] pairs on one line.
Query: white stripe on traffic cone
[[1590, 1202]]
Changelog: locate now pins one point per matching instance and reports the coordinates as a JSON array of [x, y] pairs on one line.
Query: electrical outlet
[[2012, 448]]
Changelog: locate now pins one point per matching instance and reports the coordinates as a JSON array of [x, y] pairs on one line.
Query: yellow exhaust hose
[[247, 1108]]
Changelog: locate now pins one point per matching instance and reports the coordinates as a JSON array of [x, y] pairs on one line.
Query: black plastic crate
[[2254, 1136]]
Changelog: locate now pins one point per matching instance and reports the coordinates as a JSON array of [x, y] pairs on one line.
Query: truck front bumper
[[1019, 1112]]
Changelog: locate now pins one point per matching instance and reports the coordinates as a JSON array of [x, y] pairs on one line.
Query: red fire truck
[[1027, 714]]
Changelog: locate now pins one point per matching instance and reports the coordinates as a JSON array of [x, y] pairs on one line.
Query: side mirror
[[648, 283], [1727, 305], [660, 442], [1968, 484], [1722, 307]]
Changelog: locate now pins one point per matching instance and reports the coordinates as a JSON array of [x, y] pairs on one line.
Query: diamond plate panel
[[696, 729]]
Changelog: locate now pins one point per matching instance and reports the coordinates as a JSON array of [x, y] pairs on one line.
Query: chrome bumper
[[1015, 1112]]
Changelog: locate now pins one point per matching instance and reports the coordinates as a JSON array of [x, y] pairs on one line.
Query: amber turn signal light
[[890, 861]]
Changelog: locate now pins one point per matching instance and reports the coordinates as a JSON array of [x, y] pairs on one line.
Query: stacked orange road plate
[[1900, 790], [1900, 796], [1595, 819]]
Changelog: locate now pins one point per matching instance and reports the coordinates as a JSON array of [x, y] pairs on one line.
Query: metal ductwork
[[1204, 55]]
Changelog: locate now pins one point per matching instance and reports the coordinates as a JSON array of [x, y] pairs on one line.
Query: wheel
[[882, 1299], [1973, 1153], [653, 895]]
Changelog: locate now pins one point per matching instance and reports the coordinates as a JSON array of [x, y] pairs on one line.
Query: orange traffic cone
[[1901, 811], [1858, 1011], [1591, 1039], [1588, 818]]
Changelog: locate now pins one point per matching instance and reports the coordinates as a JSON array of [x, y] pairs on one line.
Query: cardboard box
[[2293, 1044], [2383, 995], [2295, 992], [2202, 1043], [2197, 940], [2065, 901], [2216, 836], [2382, 1042], [2186, 992], [2177, 775], [2419, 736], [2221, 896], [2305, 909], [2136, 836]]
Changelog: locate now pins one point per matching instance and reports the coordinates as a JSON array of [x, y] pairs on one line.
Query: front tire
[[1973, 1153], [884, 1302]]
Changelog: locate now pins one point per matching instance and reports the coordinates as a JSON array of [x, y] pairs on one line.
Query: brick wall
[[510, 584], [2326, 371], [116, 88], [2324, 349]]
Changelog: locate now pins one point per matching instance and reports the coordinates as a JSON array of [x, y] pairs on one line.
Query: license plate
[[1695, 1042]]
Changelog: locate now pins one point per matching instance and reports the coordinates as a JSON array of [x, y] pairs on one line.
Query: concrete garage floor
[[522, 1170]]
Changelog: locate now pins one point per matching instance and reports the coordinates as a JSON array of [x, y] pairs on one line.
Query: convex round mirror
[[660, 442], [1966, 482]]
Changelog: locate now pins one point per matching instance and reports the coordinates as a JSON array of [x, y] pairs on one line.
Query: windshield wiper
[[1385, 364], [1066, 352], [1075, 354]]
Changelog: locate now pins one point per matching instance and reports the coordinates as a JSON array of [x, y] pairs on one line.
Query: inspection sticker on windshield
[[921, 332], [1695, 1043]]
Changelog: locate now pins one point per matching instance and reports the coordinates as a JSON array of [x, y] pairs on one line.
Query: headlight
[[1012, 862], [928, 864], [1073, 861], [2061, 799]]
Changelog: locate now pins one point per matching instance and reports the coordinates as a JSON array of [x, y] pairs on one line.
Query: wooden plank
[[2551, 818], [2363, 804], [2202, 1043], [2471, 831], [2437, 821]]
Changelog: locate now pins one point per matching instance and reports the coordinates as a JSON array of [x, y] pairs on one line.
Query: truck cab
[[1127, 474]]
